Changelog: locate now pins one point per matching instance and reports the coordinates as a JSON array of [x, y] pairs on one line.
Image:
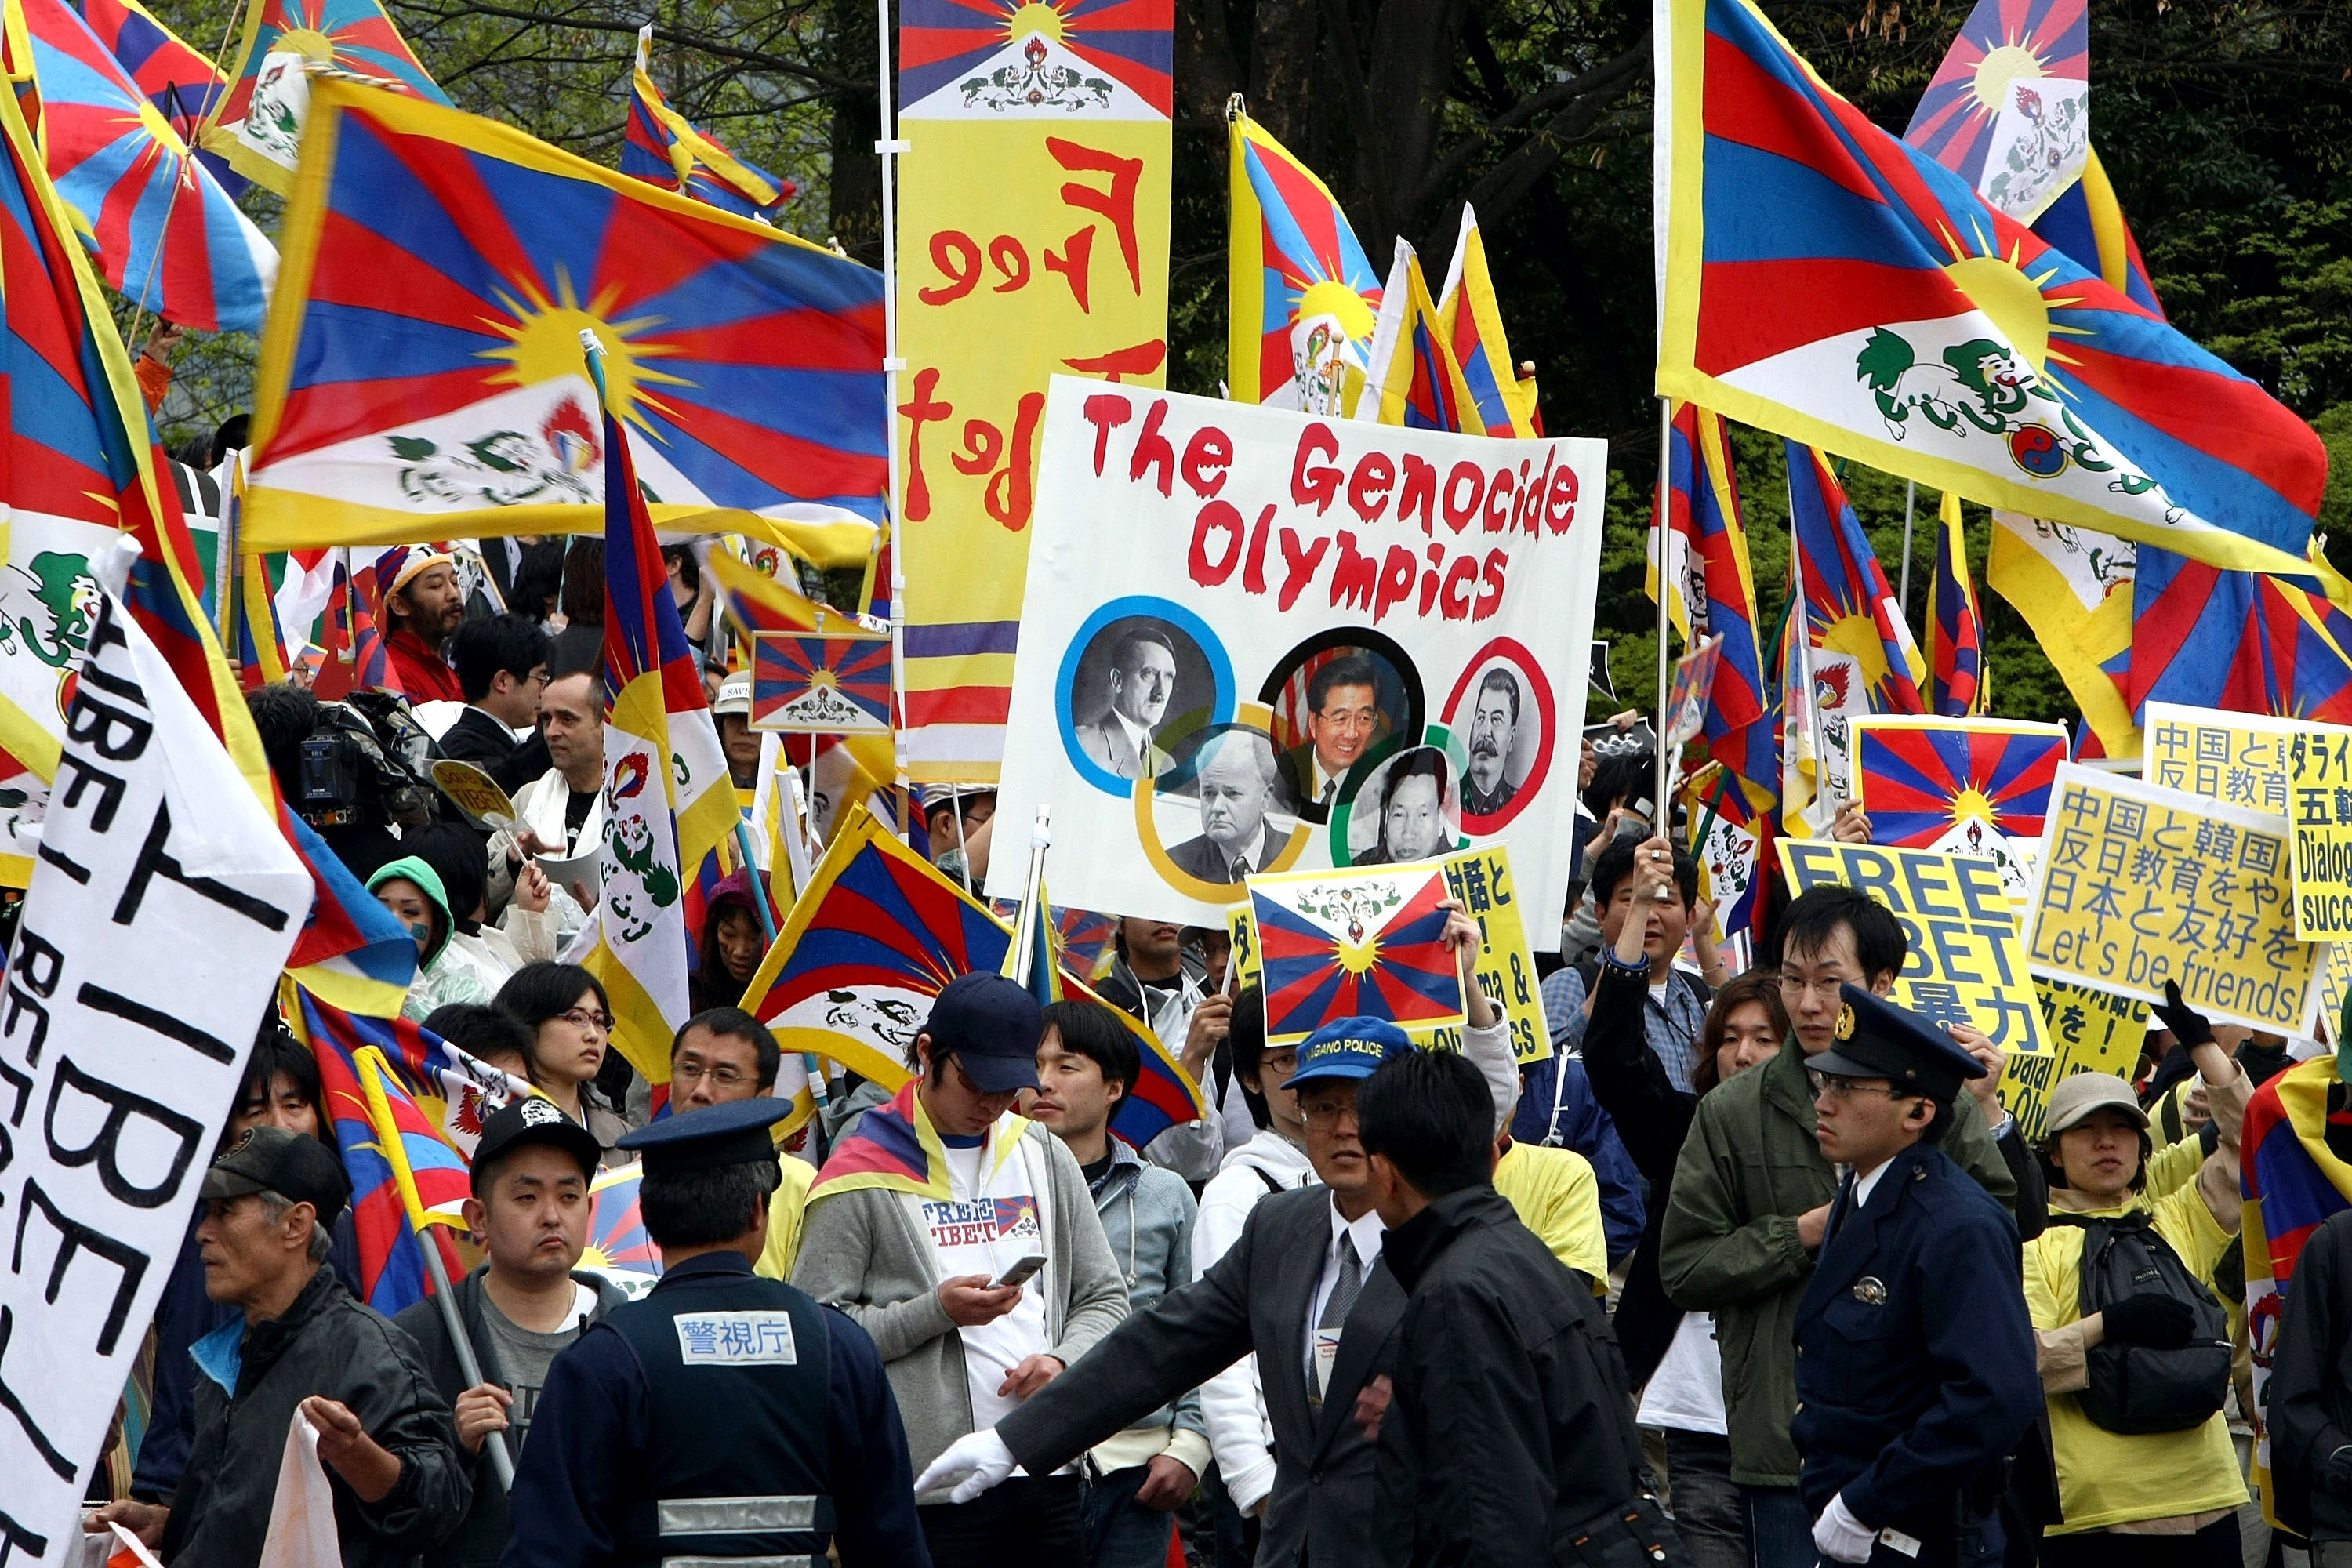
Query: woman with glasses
[[571, 1027]]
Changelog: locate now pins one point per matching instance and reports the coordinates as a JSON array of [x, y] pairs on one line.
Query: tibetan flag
[[357, 657], [1472, 325], [1731, 840], [1956, 672], [1797, 725], [872, 940], [1342, 945], [182, 84], [422, 373], [662, 147], [1121, 50], [353, 954], [1713, 594], [260, 643], [619, 1246], [1826, 282], [669, 799], [2088, 223], [268, 106], [1977, 787], [825, 682], [2074, 587], [1303, 297], [455, 1090], [2241, 640], [753, 601], [1085, 939], [1863, 661], [893, 1148], [1410, 368], [2008, 110], [168, 237]]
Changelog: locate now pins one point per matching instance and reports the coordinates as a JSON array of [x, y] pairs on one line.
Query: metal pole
[[888, 147], [468, 1366], [1024, 924], [1659, 814], [1910, 501], [955, 803]]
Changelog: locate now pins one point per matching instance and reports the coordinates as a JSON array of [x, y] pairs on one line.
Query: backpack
[[2140, 1389]]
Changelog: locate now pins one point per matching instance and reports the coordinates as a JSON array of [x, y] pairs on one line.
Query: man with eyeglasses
[[1303, 1287], [722, 1055], [1752, 1193], [1915, 1370]]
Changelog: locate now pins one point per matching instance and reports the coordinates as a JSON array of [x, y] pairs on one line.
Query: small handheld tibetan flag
[[831, 683], [1355, 943]]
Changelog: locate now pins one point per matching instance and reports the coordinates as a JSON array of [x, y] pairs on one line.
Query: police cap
[[1876, 1039], [733, 1133]]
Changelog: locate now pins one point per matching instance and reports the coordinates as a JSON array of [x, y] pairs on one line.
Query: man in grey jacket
[[913, 1228], [1087, 1063]]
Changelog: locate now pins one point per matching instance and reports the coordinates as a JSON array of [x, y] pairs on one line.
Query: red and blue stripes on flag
[[357, 35], [892, 1147], [1849, 607], [664, 148], [1403, 972], [182, 84], [1923, 782], [1294, 255], [1715, 594], [1956, 672], [2245, 641], [2000, 39], [2088, 223], [944, 42], [2291, 1166]]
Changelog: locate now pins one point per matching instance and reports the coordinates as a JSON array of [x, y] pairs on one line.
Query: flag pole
[[889, 147], [1659, 814], [1910, 501], [955, 803], [1024, 924], [469, 1366]]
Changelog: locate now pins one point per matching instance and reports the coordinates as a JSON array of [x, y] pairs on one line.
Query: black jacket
[[325, 1344], [484, 1534], [2311, 1384], [479, 739], [1510, 1427]]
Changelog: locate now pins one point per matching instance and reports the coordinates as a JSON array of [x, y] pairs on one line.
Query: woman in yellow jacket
[[2162, 1500]]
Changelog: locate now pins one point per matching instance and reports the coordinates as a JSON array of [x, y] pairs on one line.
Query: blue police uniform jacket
[[723, 1417], [1915, 1372]]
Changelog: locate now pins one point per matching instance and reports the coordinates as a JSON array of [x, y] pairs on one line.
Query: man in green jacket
[[1751, 1196]]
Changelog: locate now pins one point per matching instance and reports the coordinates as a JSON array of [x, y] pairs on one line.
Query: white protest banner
[[1255, 641], [163, 902]]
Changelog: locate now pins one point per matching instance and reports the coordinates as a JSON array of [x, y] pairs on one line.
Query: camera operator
[[350, 769]]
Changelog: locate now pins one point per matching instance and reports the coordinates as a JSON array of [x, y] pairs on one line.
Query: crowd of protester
[[1754, 1269]]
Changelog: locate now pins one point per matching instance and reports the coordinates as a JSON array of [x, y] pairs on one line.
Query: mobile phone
[[1021, 1272], [1644, 808]]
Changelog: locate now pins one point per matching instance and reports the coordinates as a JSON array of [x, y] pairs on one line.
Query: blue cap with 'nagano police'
[[1348, 1048]]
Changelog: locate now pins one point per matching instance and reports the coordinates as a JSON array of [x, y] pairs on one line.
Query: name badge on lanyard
[[1326, 1351]]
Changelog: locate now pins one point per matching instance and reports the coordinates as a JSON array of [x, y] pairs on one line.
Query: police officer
[[723, 1417], [1915, 1355]]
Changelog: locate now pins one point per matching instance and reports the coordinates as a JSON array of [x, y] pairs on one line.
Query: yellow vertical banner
[[2319, 795], [1032, 241]]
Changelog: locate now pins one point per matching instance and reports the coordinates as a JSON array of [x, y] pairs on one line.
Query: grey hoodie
[[868, 1252]]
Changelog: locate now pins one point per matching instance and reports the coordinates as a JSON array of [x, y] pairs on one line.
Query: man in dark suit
[[1303, 1287], [1238, 786], [501, 664], [1343, 718]]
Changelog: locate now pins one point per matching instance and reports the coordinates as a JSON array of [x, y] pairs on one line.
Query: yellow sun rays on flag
[[543, 344]]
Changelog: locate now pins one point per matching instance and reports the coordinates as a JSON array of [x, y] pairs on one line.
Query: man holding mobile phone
[[918, 1227]]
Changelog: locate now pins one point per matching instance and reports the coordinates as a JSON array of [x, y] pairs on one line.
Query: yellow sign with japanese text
[[1032, 241], [2089, 1031], [2139, 884], [2239, 759], [2319, 800], [1480, 881], [1964, 964]]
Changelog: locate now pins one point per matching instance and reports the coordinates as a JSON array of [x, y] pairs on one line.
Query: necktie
[[1838, 1209], [1330, 788], [1240, 867], [1336, 1307]]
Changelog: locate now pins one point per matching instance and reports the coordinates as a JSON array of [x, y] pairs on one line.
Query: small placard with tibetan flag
[[832, 682], [1360, 942]]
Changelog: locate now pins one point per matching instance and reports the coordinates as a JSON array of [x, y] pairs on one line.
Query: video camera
[[366, 761]]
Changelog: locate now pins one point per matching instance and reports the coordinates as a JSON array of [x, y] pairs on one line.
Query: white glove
[[972, 1464], [1838, 1535]]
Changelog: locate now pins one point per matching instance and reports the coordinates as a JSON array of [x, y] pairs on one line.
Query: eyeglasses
[[1280, 1065], [724, 1076], [1328, 1112], [1796, 985], [583, 1018], [1846, 1088]]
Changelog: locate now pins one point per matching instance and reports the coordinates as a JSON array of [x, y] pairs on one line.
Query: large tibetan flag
[[1411, 376], [168, 237], [271, 104], [1956, 671], [1863, 661], [668, 800], [663, 148], [2074, 587], [1472, 324], [1352, 944], [1977, 788], [1824, 281], [1304, 299], [1712, 593], [2088, 223], [2008, 110], [182, 84], [875, 935], [2239, 640], [422, 373]]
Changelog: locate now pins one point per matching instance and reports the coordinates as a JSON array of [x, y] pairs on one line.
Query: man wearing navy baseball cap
[[1916, 1359], [1303, 1287], [1002, 1279]]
